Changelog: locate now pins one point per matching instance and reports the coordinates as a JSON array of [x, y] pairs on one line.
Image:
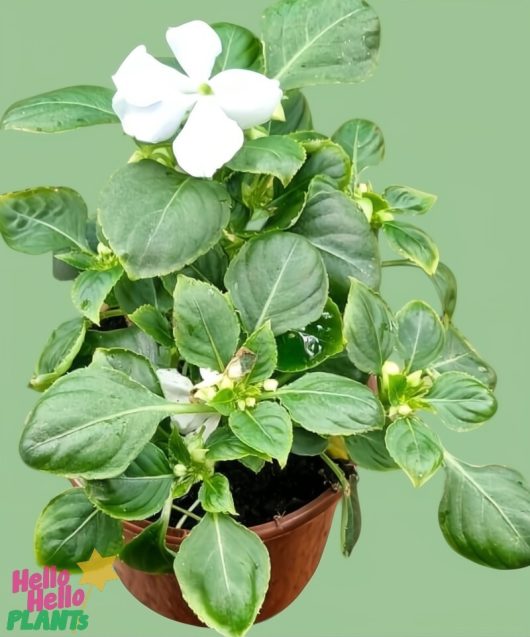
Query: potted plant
[[233, 365]]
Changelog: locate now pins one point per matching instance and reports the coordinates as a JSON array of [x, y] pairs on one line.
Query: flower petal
[[154, 123], [142, 80], [208, 140], [247, 97], [196, 46]]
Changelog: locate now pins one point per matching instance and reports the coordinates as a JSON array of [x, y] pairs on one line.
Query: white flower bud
[[270, 384], [390, 368], [404, 410], [250, 402], [180, 470], [241, 405]]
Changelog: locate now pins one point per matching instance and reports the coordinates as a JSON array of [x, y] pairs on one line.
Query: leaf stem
[[180, 523], [112, 313], [190, 408], [186, 512], [398, 262], [337, 471]]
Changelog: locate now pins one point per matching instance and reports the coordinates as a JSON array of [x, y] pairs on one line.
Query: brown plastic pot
[[295, 543]]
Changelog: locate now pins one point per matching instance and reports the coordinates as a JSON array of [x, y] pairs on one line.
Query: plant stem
[[186, 512], [398, 262], [112, 313], [183, 519], [189, 408], [337, 471]]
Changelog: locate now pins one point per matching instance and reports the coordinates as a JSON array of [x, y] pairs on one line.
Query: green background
[[451, 96]]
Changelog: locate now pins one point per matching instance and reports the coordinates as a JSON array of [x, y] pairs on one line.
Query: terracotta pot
[[295, 543]]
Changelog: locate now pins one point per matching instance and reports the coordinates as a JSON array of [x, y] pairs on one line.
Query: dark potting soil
[[259, 498], [111, 323]]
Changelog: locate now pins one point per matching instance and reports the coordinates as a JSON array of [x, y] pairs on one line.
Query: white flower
[[152, 99], [177, 388]]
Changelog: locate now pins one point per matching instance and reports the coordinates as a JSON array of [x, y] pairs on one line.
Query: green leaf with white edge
[[158, 221], [241, 49], [91, 288], [484, 514], [277, 155], [402, 199], [61, 110], [458, 355], [133, 294], [415, 448], [59, 353], [306, 443], [263, 345], [151, 320], [420, 335], [205, 326], [147, 551], [462, 402], [350, 530], [134, 365], [331, 405], [335, 42], [413, 244], [446, 286], [215, 495], [70, 528], [297, 115], [43, 219], [335, 225], [368, 328], [299, 350], [223, 444], [139, 492], [327, 159], [223, 570], [368, 450], [210, 267], [363, 142], [91, 424], [264, 282], [267, 428]]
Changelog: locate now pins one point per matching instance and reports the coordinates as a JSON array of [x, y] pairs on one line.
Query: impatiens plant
[[228, 310]]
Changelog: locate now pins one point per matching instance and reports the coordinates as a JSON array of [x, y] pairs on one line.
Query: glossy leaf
[[241, 49], [223, 444], [267, 428], [252, 463], [297, 115], [158, 221], [91, 288], [420, 335], [461, 401], [446, 286], [223, 570], [368, 328], [215, 495], [331, 405], [134, 365], [263, 345], [61, 110], [43, 220], [329, 160], [413, 244], [129, 338], [91, 423], [415, 448], [147, 551], [264, 282], [350, 530], [209, 267], [286, 209], [363, 142], [133, 294], [409, 200], [334, 224], [70, 528], [320, 44], [151, 321], [485, 514], [341, 365], [368, 450], [205, 325], [307, 443], [59, 352]]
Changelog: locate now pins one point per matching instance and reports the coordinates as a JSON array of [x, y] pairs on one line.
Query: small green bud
[[180, 470]]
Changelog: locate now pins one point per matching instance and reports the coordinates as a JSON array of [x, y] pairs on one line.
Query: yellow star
[[98, 570]]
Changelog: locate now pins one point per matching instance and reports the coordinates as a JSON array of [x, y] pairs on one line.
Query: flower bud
[[180, 470], [241, 405], [404, 410], [198, 455], [271, 384], [250, 402], [391, 369]]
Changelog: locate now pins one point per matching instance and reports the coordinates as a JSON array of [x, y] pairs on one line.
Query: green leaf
[[43, 220], [147, 551], [368, 328], [445, 283], [276, 155], [133, 294], [241, 49], [368, 450], [334, 224], [485, 514], [413, 244], [459, 355], [79, 260], [351, 517], [70, 528], [210, 267], [139, 492], [297, 115], [267, 428], [205, 325], [415, 448], [331, 405], [253, 463], [223, 570], [409, 200], [264, 282], [59, 353], [363, 142], [462, 402], [320, 44], [215, 495], [263, 345], [223, 444], [306, 443], [299, 350], [420, 335], [134, 365], [91, 288], [341, 365], [286, 209], [91, 423], [129, 338], [158, 221], [61, 110], [327, 159], [151, 320]]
